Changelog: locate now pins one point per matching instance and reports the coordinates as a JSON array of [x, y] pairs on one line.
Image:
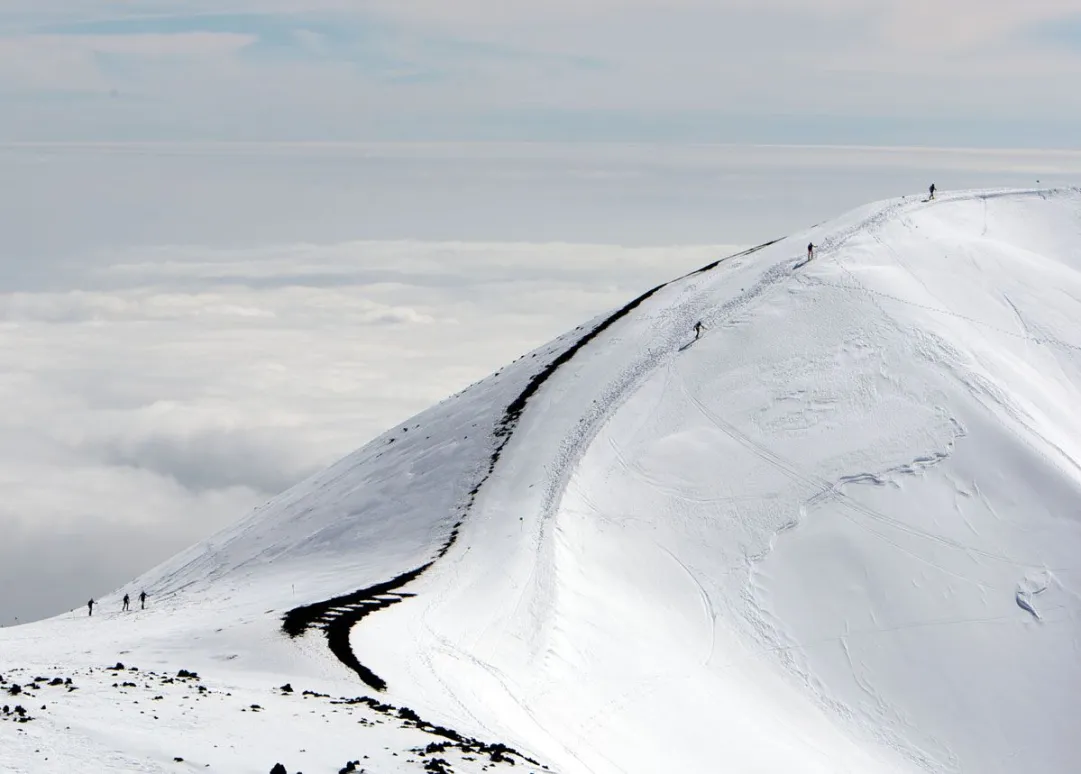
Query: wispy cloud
[[373, 46], [1063, 32], [319, 69], [74, 63]]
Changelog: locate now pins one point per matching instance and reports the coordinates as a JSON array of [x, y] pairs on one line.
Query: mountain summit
[[836, 529]]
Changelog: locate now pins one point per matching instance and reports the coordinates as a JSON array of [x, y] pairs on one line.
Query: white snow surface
[[841, 532]]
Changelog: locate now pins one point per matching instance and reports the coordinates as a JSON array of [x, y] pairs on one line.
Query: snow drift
[[839, 532]]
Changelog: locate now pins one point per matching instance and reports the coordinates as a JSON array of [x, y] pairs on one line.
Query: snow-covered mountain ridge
[[840, 532]]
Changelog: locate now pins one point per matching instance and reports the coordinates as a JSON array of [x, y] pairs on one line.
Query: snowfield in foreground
[[841, 532]]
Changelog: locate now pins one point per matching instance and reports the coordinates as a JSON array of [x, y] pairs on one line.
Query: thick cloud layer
[[139, 419]]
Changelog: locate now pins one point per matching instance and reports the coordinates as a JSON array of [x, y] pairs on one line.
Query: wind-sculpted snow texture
[[840, 532]]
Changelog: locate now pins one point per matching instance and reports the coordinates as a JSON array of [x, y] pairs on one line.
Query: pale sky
[[993, 73]]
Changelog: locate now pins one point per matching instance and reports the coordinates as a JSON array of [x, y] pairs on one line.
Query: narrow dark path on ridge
[[337, 616]]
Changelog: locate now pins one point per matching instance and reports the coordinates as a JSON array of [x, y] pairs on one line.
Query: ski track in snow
[[669, 339], [670, 342], [337, 616], [679, 320]]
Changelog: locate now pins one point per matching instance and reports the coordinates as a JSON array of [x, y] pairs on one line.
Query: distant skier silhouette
[[142, 600], [90, 606], [932, 196], [127, 602], [810, 250], [698, 328]]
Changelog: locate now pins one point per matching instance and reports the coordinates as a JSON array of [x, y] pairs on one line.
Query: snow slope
[[841, 532]]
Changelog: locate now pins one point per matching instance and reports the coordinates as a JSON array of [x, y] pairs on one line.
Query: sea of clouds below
[[143, 417]]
